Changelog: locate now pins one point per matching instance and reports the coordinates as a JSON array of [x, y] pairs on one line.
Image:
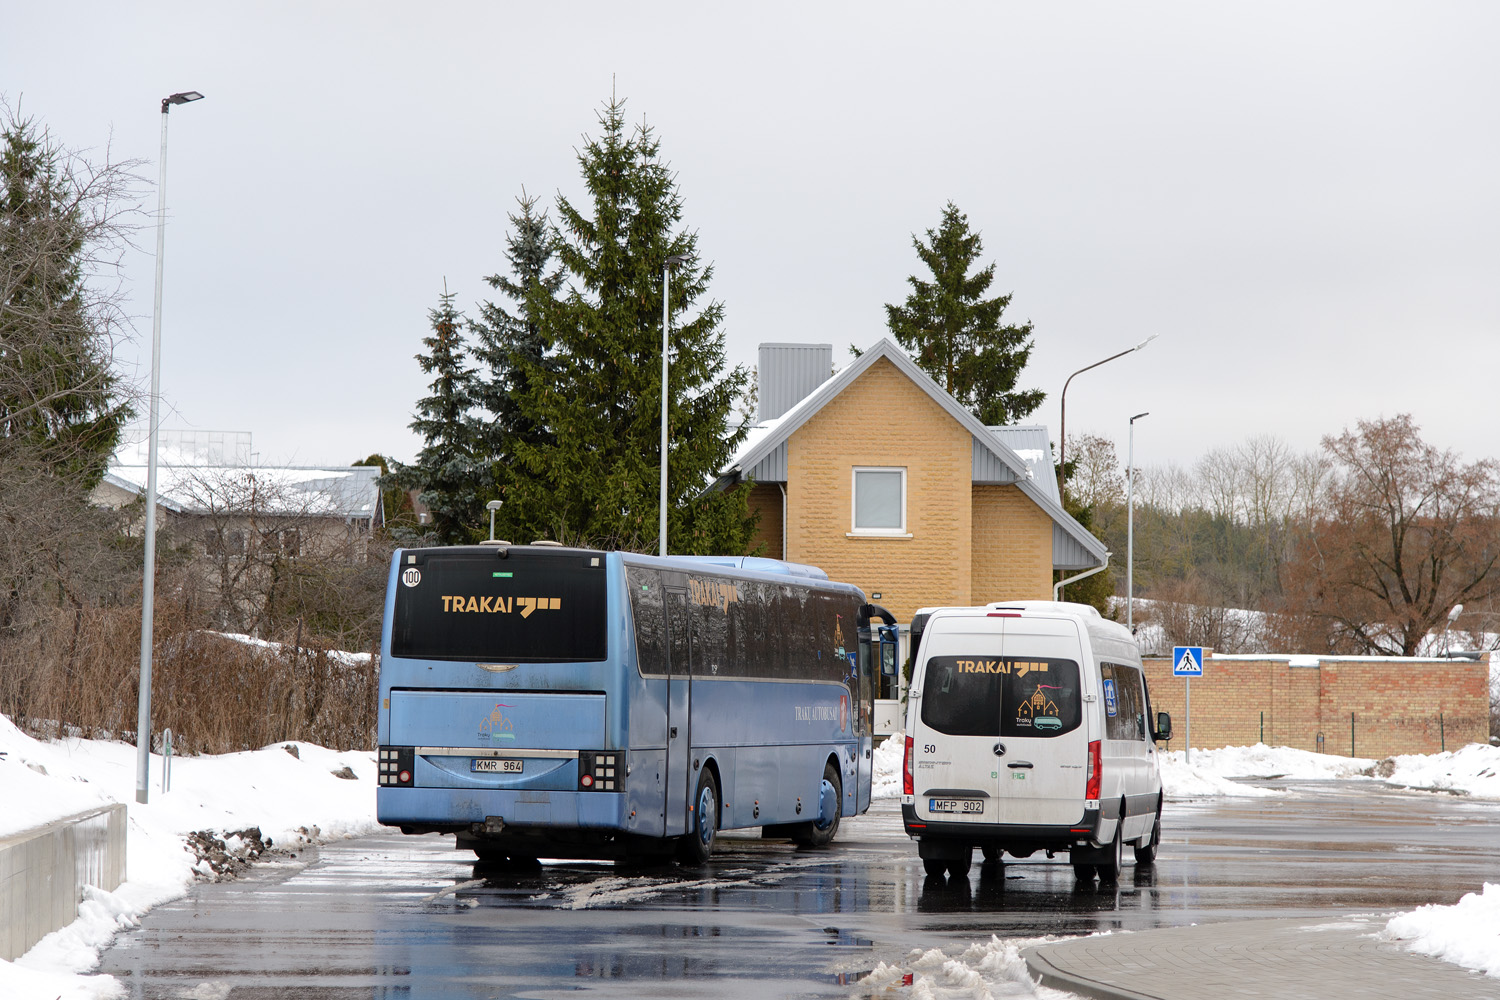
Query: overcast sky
[[1301, 199]]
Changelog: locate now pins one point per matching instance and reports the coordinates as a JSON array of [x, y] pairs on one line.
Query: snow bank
[[1211, 771], [889, 758], [1466, 933], [984, 969], [1473, 770], [294, 798], [339, 656]]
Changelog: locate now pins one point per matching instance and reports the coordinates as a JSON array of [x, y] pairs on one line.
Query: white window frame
[[855, 530]]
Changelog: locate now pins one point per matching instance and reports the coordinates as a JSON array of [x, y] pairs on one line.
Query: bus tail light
[[1096, 767], [396, 766], [908, 783], [599, 771]]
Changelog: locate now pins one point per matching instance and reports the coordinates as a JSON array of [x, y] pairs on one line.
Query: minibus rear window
[[1008, 696]]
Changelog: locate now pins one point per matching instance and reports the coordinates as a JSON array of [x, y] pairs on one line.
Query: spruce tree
[[512, 351], [596, 480], [446, 471], [955, 334], [60, 402]]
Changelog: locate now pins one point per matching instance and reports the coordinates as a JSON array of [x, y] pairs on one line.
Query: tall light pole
[[666, 326], [1062, 429], [1130, 527], [148, 584]]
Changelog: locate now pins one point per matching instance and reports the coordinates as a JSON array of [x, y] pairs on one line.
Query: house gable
[[883, 419]]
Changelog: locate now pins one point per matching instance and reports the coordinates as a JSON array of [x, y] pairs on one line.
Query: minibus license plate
[[496, 765], [955, 805]]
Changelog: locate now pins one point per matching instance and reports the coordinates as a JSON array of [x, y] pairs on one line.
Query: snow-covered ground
[[317, 795], [294, 800]]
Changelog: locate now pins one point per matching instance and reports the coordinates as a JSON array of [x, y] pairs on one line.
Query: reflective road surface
[[392, 916]]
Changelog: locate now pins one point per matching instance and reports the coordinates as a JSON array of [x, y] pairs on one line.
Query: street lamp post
[[1062, 428], [148, 583], [666, 326], [1130, 527]]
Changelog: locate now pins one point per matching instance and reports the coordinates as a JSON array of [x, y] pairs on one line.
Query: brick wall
[[1012, 541], [883, 419], [1396, 703]]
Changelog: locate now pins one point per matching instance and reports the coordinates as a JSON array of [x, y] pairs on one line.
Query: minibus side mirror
[[1163, 727]]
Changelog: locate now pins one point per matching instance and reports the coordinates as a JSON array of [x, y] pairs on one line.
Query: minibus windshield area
[[470, 604], [1001, 696]]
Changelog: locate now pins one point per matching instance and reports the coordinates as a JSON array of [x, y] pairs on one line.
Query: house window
[[879, 501]]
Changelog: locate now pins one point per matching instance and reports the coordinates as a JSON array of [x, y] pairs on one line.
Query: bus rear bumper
[[457, 809]]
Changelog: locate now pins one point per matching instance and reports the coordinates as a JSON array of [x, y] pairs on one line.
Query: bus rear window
[[469, 604], [1006, 696]]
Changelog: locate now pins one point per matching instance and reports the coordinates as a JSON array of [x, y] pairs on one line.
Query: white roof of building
[[349, 492]]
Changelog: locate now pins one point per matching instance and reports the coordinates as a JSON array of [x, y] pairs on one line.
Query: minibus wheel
[[991, 853], [935, 866], [1109, 871], [1147, 855]]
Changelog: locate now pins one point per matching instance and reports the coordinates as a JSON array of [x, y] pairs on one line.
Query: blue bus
[[542, 701]]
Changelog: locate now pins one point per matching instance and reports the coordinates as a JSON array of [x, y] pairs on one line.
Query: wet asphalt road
[[393, 916]]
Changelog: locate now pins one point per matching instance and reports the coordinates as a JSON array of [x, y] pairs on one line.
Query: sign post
[[1187, 663]]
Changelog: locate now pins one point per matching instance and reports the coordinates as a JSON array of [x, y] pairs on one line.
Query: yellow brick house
[[879, 477]]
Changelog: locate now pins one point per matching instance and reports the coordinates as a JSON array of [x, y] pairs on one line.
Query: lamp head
[[1143, 343], [1139, 416], [677, 259], [186, 97], [1458, 609]]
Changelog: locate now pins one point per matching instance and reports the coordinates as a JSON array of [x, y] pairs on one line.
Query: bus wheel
[[698, 845], [813, 834]]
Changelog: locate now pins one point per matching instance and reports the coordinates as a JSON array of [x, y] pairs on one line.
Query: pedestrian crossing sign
[[1187, 661]]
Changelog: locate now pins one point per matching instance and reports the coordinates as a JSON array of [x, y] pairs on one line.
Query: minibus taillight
[[908, 785], [1096, 765]]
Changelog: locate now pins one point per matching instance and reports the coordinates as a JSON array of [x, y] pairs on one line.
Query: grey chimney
[[788, 373]]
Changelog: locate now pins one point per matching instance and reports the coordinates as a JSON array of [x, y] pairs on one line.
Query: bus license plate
[[969, 806], [496, 765]]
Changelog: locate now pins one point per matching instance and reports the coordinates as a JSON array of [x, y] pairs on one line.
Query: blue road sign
[[1187, 661]]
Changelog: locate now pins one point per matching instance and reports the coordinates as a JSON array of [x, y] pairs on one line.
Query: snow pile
[[1473, 770], [292, 792], [1211, 771], [889, 761], [1466, 933], [984, 969]]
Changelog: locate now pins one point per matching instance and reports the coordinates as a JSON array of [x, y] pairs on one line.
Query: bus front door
[[679, 694]]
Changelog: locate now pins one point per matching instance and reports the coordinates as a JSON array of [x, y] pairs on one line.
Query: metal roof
[[346, 492]]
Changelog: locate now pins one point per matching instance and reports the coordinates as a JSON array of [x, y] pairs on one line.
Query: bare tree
[[65, 224], [255, 531], [1407, 532], [1096, 479]]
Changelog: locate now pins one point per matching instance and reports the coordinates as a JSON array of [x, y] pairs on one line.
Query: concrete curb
[[43, 872], [1342, 955], [1050, 975]]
